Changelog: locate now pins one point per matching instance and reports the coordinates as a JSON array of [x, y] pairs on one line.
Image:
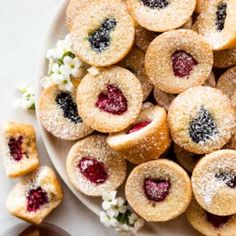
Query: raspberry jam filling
[[182, 63], [217, 221], [138, 126], [203, 127], [155, 189], [36, 198], [228, 178], [112, 100], [68, 106], [221, 16], [100, 39], [15, 147], [155, 4], [95, 171]]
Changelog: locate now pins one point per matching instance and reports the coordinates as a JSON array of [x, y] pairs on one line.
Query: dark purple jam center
[[138, 126], [68, 106], [228, 178], [100, 39], [217, 221], [155, 4], [221, 16], [182, 63], [36, 198], [112, 100], [93, 170], [15, 147], [155, 189], [202, 127]]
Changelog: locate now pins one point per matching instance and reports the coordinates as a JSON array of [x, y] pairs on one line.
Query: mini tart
[[182, 57], [111, 100], [103, 33], [59, 115], [201, 119], [215, 24], [209, 224], [135, 63], [225, 58], [227, 83], [35, 195], [143, 37], [93, 168], [214, 182], [164, 99], [19, 149], [187, 160], [147, 139], [161, 16], [158, 190], [73, 9]]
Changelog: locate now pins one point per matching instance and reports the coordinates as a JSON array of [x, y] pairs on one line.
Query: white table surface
[[23, 23]]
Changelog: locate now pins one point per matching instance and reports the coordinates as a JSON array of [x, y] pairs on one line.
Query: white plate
[[58, 149]]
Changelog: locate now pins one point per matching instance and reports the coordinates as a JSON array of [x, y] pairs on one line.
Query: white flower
[[117, 214], [109, 196], [104, 219], [27, 100]]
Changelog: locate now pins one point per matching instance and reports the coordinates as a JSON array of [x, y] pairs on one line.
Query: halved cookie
[[111, 100], [147, 139], [182, 57], [35, 195], [158, 190], [19, 149], [161, 15], [93, 168], [103, 33]]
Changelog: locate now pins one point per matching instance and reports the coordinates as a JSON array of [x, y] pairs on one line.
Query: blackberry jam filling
[[221, 16], [138, 126], [100, 39], [203, 127], [36, 198], [15, 147], [112, 100], [182, 63], [93, 170], [155, 4], [155, 189], [68, 106], [228, 178], [217, 221]]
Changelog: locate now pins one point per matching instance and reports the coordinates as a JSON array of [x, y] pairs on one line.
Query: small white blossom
[[117, 214], [63, 65], [27, 101]]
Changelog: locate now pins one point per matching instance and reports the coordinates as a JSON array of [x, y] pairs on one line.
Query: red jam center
[[36, 198], [112, 100], [156, 190], [138, 126], [15, 147], [93, 170], [217, 221], [183, 63]]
